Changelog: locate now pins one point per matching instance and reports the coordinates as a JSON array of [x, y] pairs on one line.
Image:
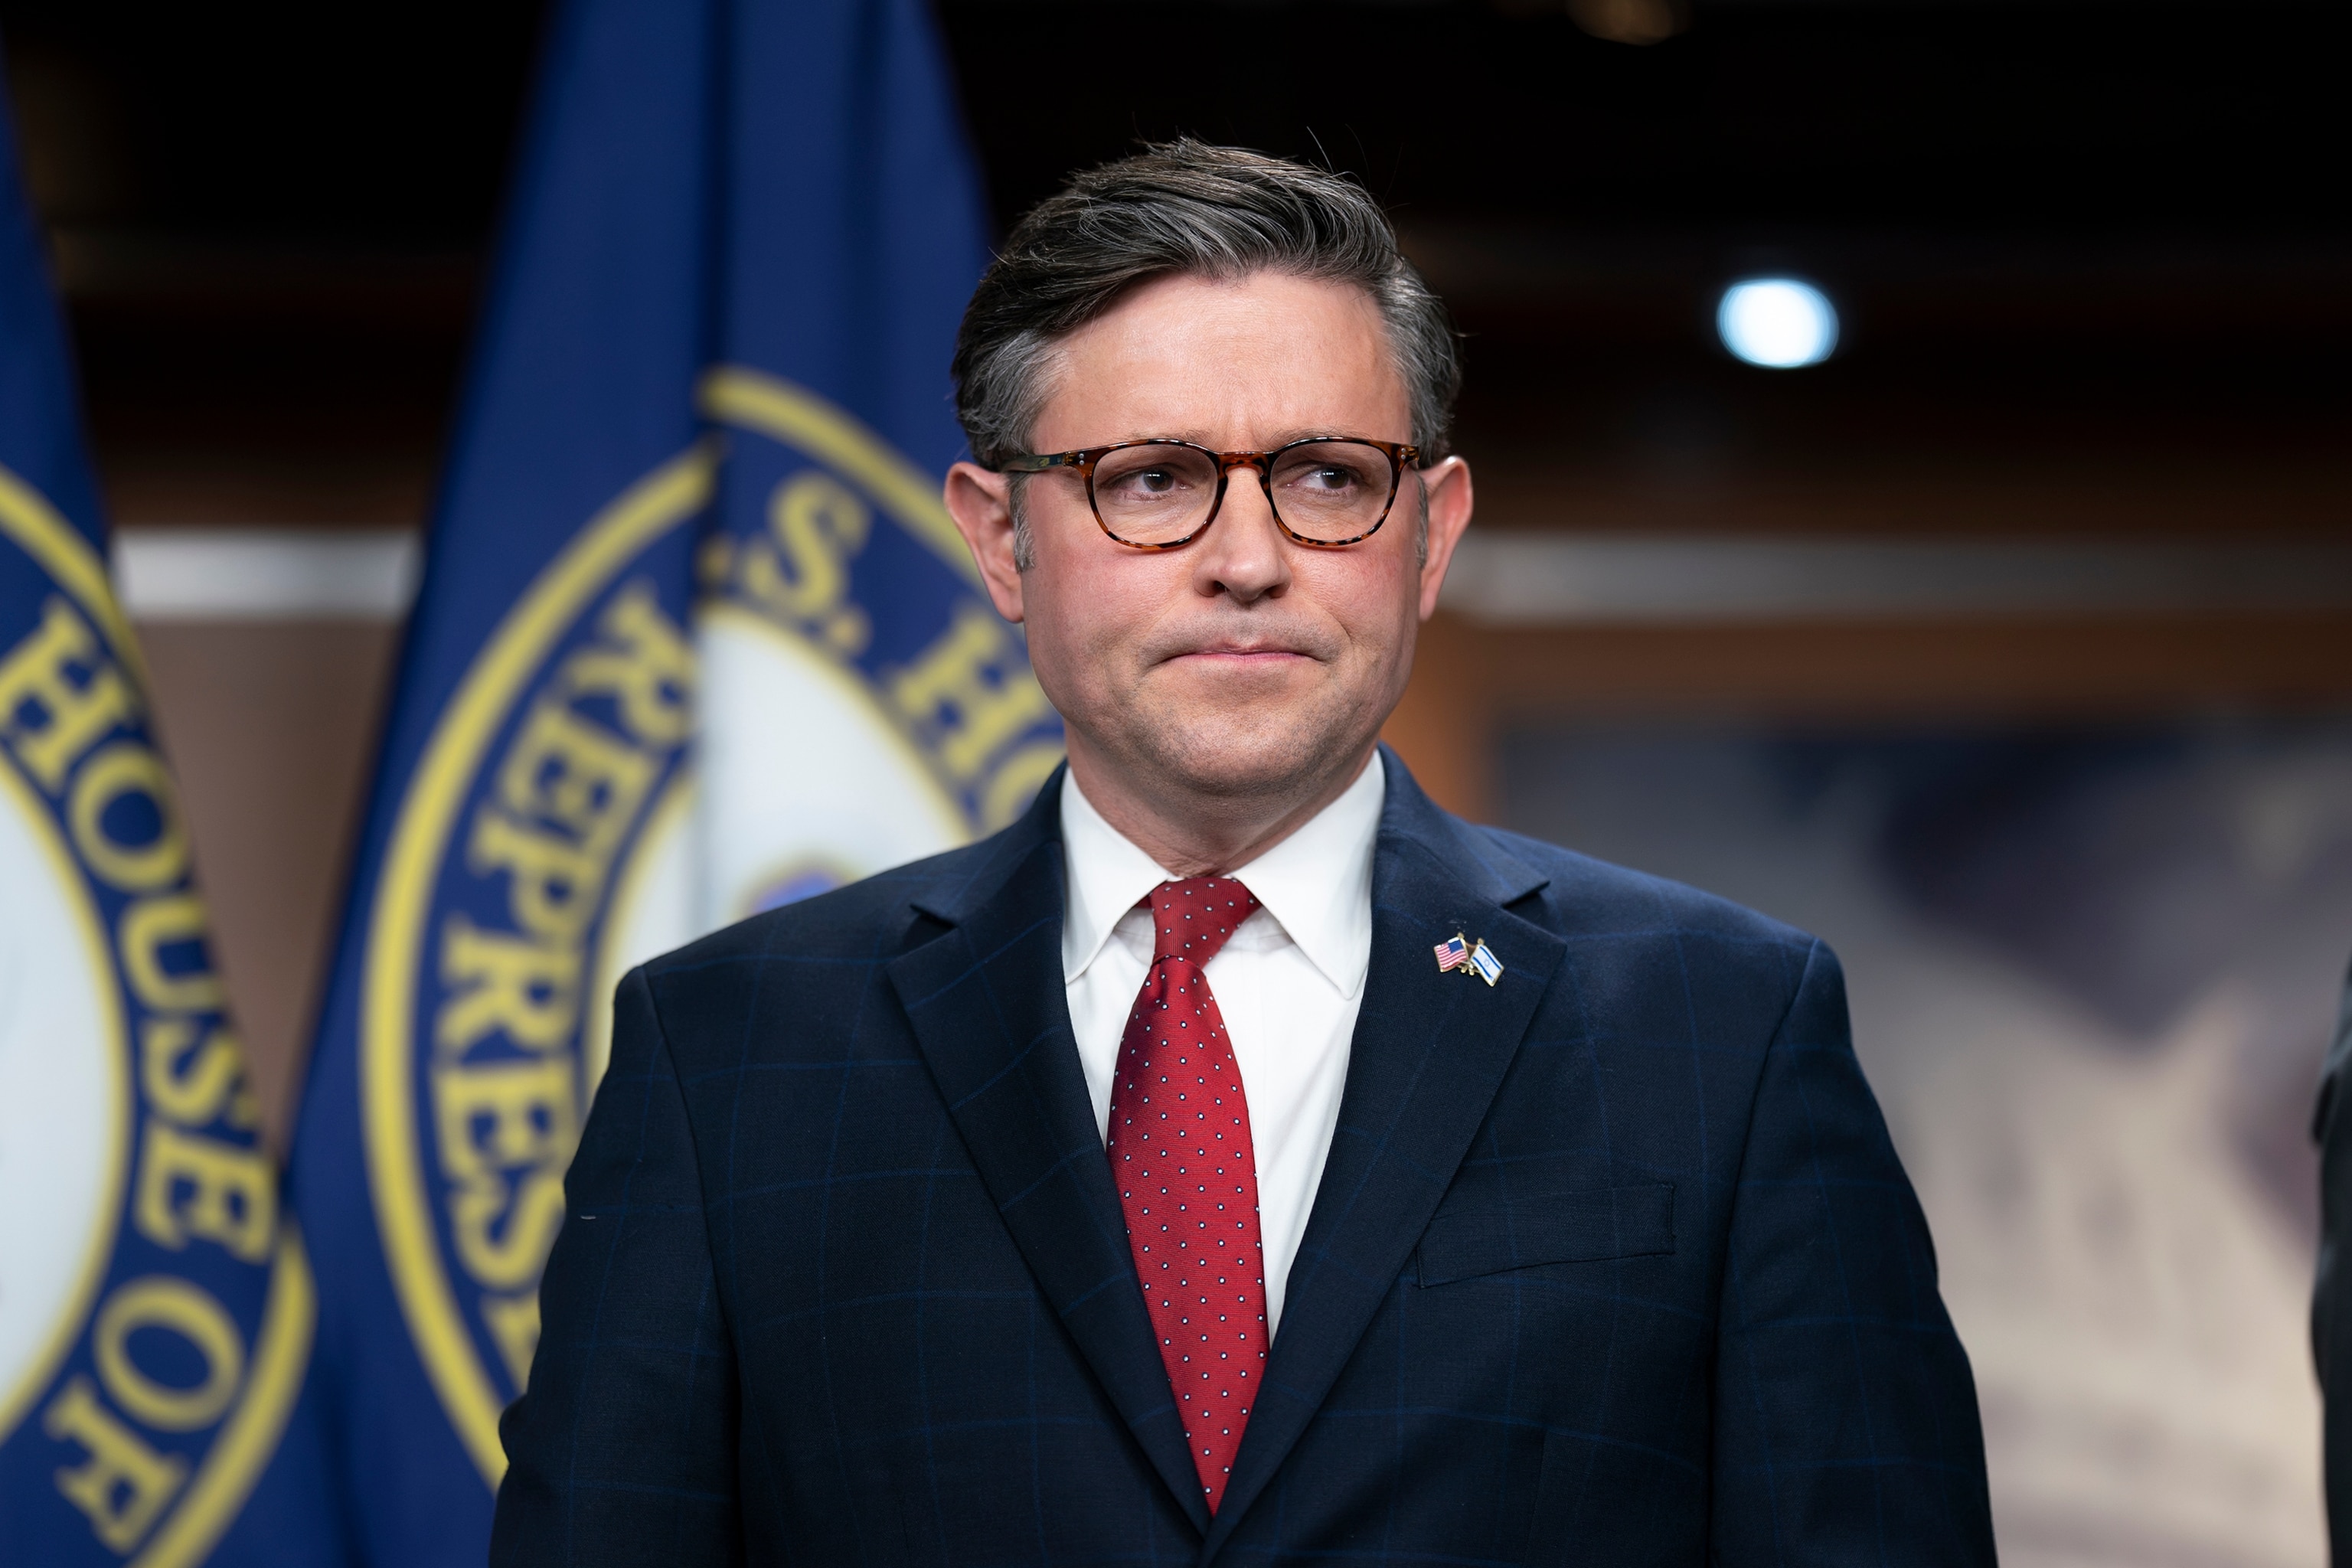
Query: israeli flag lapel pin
[[1483, 960]]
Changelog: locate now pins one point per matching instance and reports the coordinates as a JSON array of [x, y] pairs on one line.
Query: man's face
[[1242, 663]]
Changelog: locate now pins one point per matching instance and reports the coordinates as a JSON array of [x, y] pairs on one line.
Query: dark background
[[2098, 249]]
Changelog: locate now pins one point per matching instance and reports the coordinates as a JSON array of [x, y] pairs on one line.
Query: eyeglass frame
[[1401, 455]]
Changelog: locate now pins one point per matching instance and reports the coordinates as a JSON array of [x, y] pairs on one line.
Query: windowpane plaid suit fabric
[[1612, 1263]]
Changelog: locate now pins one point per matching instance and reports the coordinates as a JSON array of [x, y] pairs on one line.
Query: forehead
[[1251, 359]]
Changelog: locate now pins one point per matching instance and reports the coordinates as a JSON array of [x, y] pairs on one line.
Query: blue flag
[[695, 639], [156, 1314]]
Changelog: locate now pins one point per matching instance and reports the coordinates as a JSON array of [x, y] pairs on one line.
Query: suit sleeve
[[622, 1450], [1845, 1416], [2331, 1301]]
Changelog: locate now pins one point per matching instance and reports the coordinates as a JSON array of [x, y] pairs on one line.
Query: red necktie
[[1187, 1174]]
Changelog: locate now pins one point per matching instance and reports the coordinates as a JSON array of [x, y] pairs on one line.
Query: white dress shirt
[[1289, 982]]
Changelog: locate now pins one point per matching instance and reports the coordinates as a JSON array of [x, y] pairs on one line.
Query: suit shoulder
[[863, 920], [1583, 894]]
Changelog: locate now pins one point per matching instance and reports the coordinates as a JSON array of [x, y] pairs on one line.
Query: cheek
[[1084, 604], [1374, 598]]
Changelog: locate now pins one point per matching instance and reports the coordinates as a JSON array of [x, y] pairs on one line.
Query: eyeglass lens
[[1323, 490]]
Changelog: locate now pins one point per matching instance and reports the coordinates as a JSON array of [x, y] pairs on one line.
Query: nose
[[1243, 554]]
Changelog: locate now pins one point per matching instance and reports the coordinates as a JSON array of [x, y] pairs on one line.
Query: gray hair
[[1185, 209]]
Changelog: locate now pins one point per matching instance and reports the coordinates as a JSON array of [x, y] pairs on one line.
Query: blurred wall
[[2092, 968], [269, 727]]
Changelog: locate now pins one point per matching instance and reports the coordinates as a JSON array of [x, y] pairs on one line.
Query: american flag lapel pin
[[1452, 954]]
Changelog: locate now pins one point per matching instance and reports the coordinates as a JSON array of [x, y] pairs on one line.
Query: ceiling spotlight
[[1778, 322], [1631, 21]]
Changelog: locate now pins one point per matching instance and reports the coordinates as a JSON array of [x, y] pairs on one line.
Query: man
[[2331, 1299], [1238, 1158]]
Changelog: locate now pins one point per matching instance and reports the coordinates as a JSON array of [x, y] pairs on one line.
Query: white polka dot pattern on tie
[[1187, 1173]]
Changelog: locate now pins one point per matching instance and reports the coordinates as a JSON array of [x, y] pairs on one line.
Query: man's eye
[[1328, 480]]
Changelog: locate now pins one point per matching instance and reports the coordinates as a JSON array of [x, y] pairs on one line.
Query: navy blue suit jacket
[[1612, 1263]]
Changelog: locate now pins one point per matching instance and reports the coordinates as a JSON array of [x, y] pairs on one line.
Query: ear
[[1448, 488], [981, 502]]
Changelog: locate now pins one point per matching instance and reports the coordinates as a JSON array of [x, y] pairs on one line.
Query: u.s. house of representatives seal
[[156, 1314], [764, 671]]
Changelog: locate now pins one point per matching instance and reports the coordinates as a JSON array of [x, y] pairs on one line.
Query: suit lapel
[[987, 1004], [1429, 1052]]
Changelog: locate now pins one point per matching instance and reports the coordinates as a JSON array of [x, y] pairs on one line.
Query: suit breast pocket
[[1580, 1226]]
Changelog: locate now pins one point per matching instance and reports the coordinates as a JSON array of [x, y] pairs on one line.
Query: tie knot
[[1192, 919]]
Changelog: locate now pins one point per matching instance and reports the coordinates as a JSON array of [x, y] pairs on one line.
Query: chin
[[1226, 753]]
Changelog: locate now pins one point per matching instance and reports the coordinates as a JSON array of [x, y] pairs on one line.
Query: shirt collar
[[1107, 874], [1317, 883]]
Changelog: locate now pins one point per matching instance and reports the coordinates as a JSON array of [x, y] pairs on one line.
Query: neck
[[1192, 834]]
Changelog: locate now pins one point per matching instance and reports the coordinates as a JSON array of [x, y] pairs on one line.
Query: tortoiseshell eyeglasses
[[1161, 494]]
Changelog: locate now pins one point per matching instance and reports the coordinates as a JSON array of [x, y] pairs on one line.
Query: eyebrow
[[1297, 433]]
